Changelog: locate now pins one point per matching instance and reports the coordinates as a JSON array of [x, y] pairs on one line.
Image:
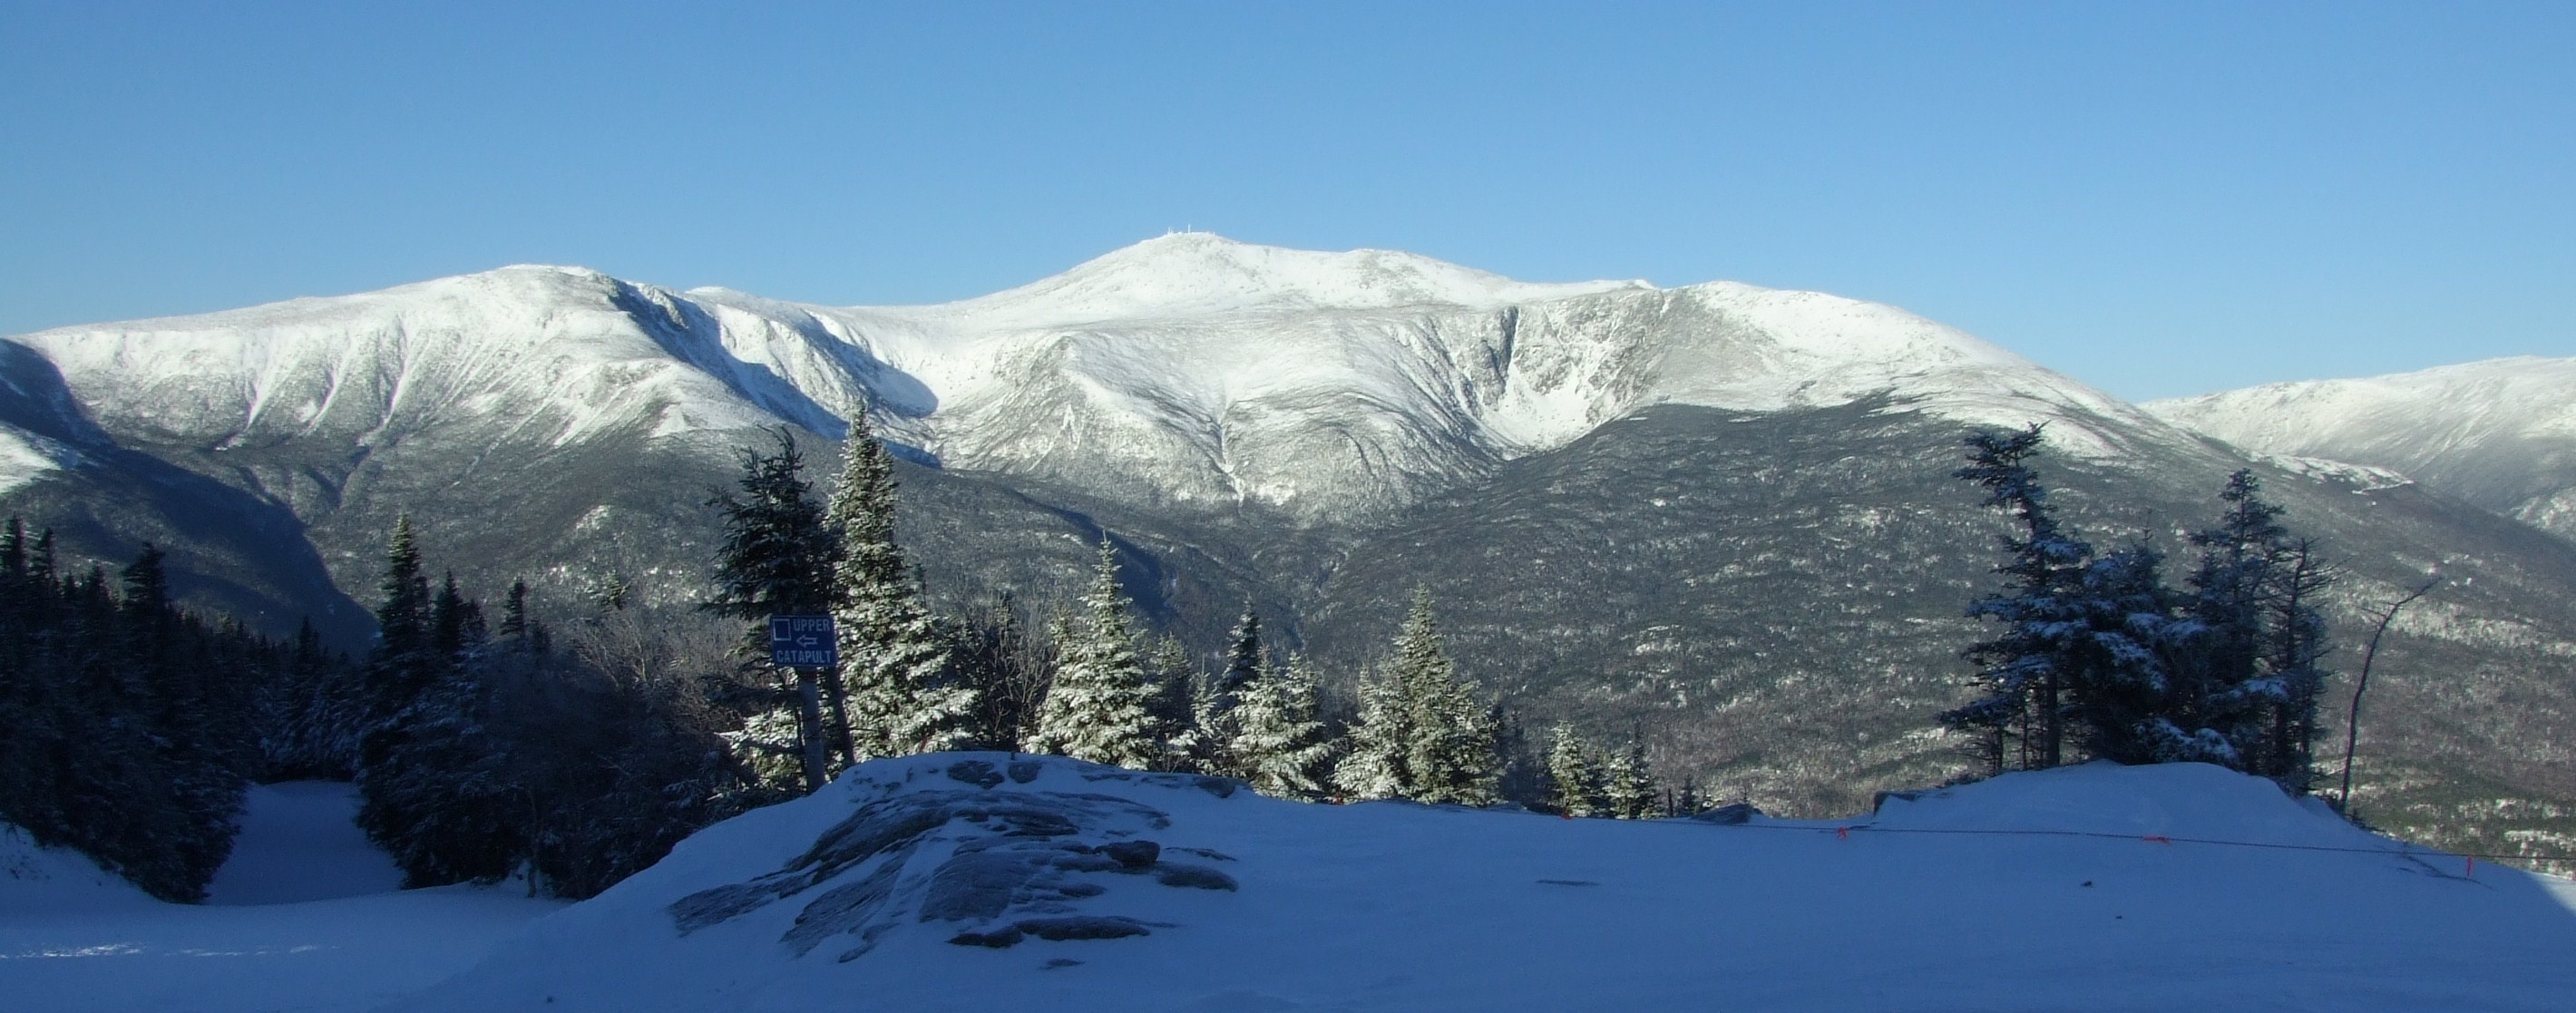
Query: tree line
[[130, 729], [2096, 655], [578, 753], [1091, 684]]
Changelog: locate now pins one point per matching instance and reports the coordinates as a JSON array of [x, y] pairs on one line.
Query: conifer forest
[[575, 741]]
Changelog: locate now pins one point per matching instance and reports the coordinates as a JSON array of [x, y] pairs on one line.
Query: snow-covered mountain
[[1189, 370], [1719, 513], [2500, 433]]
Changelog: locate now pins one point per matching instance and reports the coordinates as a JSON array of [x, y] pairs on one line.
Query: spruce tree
[[1423, 734], [1279, 746], [1628, 785], [1574, 780], [777, 558], [2024, 670], [1377, 758], [2295, 653], [2255, 599], [1100, 707], [903, 693], [403, 663]]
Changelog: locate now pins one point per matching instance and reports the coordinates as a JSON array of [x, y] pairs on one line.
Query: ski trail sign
[[803, 642]]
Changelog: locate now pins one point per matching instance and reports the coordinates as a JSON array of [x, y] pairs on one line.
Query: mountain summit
[[1186, 274]]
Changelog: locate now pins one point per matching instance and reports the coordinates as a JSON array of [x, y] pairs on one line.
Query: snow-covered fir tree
[[1184, 707], [2254, 596], [1423, 734], [1627, 784], [2022, 670], [1206, 743], [777, 558], [1278, 745], [1574, 779], [1100, 707], [902, 695], [429, 773], [1376, 757]]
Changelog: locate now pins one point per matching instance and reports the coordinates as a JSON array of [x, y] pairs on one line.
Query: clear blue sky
[[2156, 198]]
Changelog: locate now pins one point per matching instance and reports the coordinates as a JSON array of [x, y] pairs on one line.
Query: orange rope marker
[[1842, 833], [2157, 839]]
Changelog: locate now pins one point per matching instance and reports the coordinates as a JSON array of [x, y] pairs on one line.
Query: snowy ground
[[937, 883], [305, 916], [1398, 907]]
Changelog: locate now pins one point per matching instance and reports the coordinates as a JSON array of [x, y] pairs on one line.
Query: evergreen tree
[[1279, 746], [2123, 646], [1629, 786], [777, 558], [514, 615], [1101, 705], [1423, 734], [2262, 637], [1377, 758], [404, 661], [128, 728], [1575, 784], [1245, 658], [2296, 652], [904, 696], [2024, 670]]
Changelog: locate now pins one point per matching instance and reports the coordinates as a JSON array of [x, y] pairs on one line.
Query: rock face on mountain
[[1718, 514], [2500, 434]]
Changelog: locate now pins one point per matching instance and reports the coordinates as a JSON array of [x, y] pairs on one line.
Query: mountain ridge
[[2501, 433]]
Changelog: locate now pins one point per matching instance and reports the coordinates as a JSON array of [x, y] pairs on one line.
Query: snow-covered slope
[[304, 916], [35, 878], [1187, 370], [2501, 433], [982, 882], [300, 841]]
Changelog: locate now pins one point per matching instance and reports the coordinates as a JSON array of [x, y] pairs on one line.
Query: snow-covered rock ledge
[[989, 881]]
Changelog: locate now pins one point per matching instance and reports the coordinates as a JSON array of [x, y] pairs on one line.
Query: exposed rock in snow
[[2357, 477]]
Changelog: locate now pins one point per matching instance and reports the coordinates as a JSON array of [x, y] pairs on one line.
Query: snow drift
[[984, 881]]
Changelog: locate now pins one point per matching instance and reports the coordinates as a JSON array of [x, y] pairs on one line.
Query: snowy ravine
[[936, 883]]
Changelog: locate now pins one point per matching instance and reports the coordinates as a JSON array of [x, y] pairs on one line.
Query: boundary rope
[[2402, 849]]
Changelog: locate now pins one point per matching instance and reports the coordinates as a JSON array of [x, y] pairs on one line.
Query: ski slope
[[305, 915]]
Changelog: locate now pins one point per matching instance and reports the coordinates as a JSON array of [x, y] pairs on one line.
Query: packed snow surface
[[984, 882], [298, 843], [992, 881], [304, 916]]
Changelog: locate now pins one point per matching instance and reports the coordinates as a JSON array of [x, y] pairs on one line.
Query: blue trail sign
[[803, 642]]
